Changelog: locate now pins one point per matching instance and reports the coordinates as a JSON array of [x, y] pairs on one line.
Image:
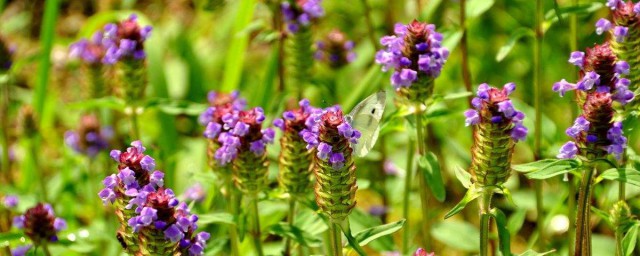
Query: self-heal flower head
[[335, 50], [414, 52], [333, 166], [91, 51], [125, 40], [90, 137], [300, 13], [40, 224], [498, 128], [246, 135], [493, 105]]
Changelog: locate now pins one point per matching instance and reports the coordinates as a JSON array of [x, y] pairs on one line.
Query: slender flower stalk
[[298, 15], [594, 133], [331, 138], [335, 50], [498, 126], [537, 140], [41, 226], [416, 55], [6, 61], [244, 147], [295, 159], [30, 130]]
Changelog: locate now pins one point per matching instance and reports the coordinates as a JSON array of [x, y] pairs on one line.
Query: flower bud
[[621, 216], [90, 138], [40, 224]]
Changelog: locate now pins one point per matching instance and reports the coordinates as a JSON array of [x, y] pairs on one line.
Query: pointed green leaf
[[547, 168], [218, 217], [628, 175], [370, 234], [516, 220], [432, 175], [513, 39], [296, 234], [9, 237], [630, 239], [602, 214], [503, 231], [463, 176], [476, 8], [472, 193], [507, 193], [346, 230]]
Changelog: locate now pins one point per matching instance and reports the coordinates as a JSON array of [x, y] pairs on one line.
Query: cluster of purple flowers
[[299, 120], [415, 50], [494, 106], [335, 50], [115, 42], [219, 105], [242, 131], [329, 133], [600, 85], [162, 211], [90, 138], [300, 13], [622, 11], [591, 81], [40, 224], [138, 181]]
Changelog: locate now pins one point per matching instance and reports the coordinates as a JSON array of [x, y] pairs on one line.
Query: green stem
[[231, 196], [405, 202], [336, 239], [39, 169], [369, 22], [135, 133], [619, 236], [290, 219], [572, 214], [4, 119], [485, 219], [583, 225], [45, 249], [537, 59], [424, 196], [466, 73], [257, 240]]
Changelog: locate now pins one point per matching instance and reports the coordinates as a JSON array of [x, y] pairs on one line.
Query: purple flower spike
[[568, 150], [620, 32], [602, 25], [577, 58]]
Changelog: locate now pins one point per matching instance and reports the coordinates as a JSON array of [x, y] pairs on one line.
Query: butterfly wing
[[365, 117]]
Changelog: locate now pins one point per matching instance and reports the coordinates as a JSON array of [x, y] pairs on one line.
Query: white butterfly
[[365, 117]]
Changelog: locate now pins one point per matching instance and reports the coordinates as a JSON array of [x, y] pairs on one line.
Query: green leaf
[[10, 236], [507, 193], [457, 95], [602, 214], [627, 175], [503, 231], [547, 168], [296, 234], [630, 239], [346, 230], [463, 176], [432, 175], [534, 253], [472, 193], [513, 39], [516, 220], [451, 38], [457, 235], [218, 217], [365, 236], [234, 62], [476, 8]]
